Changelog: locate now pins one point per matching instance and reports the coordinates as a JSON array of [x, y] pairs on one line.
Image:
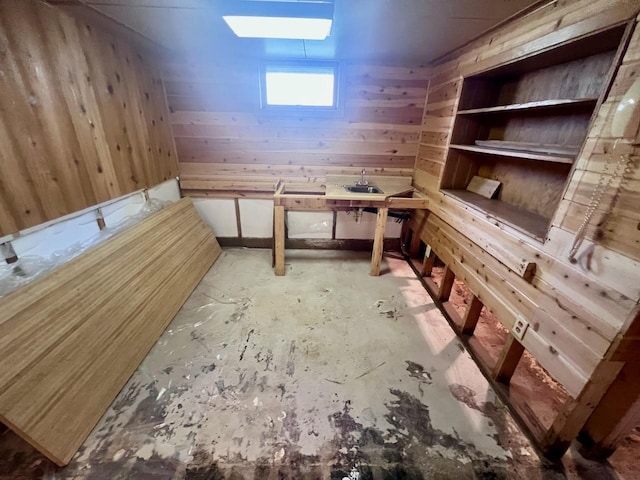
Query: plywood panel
[[82, 117], [533, 186], [378, 130], [71, 339]]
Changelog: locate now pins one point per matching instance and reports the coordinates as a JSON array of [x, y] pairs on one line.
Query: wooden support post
[[273, 242], [428, 262], [615, 417], [447, 284], [414, 247], [238, 219], [100, 219], [618, 413], [404, 234], [378, 241], [575, 413], [471, 316], [508, 361], [278, 222]]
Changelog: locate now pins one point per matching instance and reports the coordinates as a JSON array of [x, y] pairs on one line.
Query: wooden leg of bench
[[427, 263], [278, 222], [508, 361], [616, 415], [576, 412], [447, 284], [404, 234], [471, 316], [414, 247], [378, 241]]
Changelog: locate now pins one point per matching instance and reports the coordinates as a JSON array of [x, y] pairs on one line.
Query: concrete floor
[[326, 373]]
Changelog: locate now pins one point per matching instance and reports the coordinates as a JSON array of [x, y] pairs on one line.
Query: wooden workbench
[[398, 194]]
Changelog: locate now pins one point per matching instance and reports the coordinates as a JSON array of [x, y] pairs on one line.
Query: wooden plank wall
[[83, 117], [225, 142], [576, 311]]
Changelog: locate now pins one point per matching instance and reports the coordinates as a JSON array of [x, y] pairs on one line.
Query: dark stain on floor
[[291, 361]]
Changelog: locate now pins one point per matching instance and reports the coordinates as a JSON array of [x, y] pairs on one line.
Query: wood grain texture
[[279, 238], [378, 241], [83, 118], [220, 130], [508, 361], [565, 304], [483, 186], [471, 316], [71, 339]]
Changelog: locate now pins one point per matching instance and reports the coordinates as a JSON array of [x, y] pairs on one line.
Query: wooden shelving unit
[[523, 124]]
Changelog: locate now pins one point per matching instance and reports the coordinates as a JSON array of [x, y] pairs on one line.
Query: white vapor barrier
[[219, 214], [256, 218], [168, 191], [116, 212], [310, 224], [57, 237], [347, 228], [43, 250]]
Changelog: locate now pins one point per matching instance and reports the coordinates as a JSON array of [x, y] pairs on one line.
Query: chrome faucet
[[362, 181]]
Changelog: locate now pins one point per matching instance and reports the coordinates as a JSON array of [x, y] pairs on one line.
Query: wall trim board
[[390, 244]]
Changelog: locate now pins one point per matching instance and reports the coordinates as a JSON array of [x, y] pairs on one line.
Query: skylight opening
[[303, 20], [279, 27]]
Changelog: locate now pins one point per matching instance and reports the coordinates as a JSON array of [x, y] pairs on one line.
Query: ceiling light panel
[[287, 20]]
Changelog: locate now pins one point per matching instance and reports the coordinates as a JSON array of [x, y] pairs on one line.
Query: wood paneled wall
[[83, 117], [226, 143], [576, 311]]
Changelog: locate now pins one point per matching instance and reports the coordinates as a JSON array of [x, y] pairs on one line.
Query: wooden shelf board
[[569, 151], [539, 105], [528, 155], [524, 221]]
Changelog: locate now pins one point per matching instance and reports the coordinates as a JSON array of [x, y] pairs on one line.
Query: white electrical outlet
[[520, 327]]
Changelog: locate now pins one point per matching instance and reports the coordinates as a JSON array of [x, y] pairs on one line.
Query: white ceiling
[[403, 32]]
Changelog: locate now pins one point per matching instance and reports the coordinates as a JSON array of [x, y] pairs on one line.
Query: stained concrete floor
[[326, 373]]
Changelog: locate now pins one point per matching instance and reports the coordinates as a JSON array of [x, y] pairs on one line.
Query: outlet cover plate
[[520, 327]]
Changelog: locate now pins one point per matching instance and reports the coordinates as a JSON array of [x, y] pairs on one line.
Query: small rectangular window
[[298, 86]]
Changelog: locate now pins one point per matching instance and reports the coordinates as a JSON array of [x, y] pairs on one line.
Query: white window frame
[[302, 66]]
